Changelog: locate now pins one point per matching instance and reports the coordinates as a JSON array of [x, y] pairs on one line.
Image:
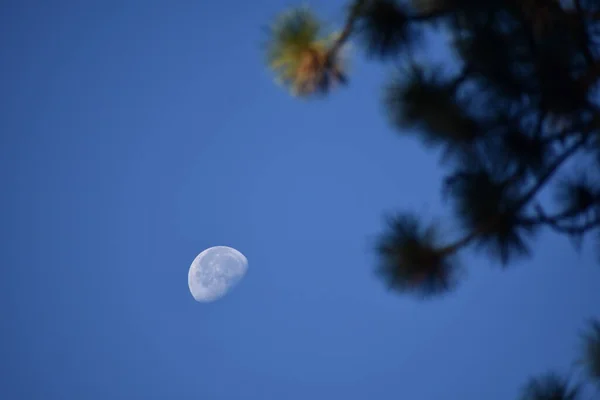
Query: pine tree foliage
[[591, 352], [520, 113], [554, 386], [384, 28], [302, 56], [414, 246], [549, 387]]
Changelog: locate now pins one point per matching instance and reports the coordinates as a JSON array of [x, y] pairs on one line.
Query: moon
[[214, 272]]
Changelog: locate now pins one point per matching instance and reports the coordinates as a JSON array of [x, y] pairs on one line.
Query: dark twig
[[541, 181], [559, 226]]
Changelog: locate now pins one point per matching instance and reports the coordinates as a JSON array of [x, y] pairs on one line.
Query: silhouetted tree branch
[[521, 108], [554, 386]]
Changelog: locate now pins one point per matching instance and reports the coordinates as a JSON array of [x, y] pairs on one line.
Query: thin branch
[[542, 180], [454, 247], [577, 229], [354, 16], [590, 77], [431, 15], [586, 80], [543, 218], [570, 229], [348, 27], [570, 213]]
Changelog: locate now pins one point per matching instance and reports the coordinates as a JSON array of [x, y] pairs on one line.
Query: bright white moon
[[215, 271]]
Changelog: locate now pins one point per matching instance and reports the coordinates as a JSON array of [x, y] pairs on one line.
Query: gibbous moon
[[215, 271]]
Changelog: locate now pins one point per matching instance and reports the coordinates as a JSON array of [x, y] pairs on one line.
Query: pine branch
[[560, 222], [586, 80], [577, 229], [541, 182], [356, 13], [543, 179], [557, 218]]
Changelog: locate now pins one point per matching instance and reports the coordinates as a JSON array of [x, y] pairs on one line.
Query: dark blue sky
[[134, 136]]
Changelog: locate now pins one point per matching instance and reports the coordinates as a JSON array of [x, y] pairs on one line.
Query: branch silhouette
[[520, 112]]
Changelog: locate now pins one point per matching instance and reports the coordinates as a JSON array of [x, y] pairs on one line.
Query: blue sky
[[136, 134]]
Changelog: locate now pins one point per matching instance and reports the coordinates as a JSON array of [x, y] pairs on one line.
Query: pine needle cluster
[[517, 114]]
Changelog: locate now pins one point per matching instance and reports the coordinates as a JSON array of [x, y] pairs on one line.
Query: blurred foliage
[[591, 352], [413, 246], [298, 53], [549, 387], [554, 386], [514, 112]]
